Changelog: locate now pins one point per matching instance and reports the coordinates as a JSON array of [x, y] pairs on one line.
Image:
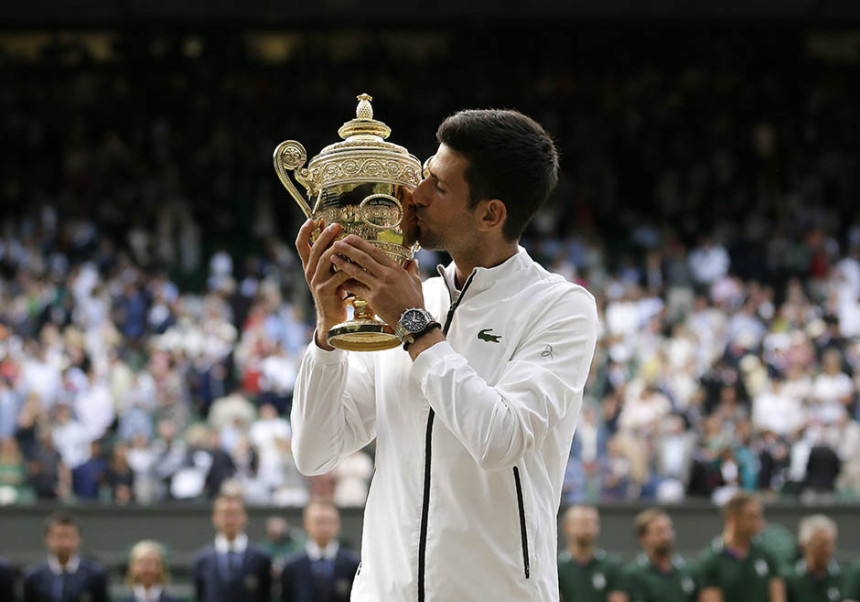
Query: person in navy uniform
[[7, 581], [232, 569], [324, 571], [147, 573], [64, 576]]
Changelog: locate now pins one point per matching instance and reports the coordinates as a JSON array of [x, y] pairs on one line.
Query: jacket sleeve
[[7, 590], [99, 585], [265, 578], [30, 588], [541, 382], [199, 579], [334, 408], [287, 579]]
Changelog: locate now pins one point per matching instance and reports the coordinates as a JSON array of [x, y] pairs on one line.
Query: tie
[[60, 586], [323, 570], [233, 561]]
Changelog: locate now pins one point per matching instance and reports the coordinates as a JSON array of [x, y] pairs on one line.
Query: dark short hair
[[511, 158], [61, 518]]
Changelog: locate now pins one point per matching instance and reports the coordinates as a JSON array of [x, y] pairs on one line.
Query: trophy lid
[[364, 124], [364, 153]]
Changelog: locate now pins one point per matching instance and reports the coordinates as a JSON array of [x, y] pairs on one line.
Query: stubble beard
[[428, 240]]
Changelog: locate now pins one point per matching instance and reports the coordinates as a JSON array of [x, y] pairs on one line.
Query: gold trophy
[[363, 183]]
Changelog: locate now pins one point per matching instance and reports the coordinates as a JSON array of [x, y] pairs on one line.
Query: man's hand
[[382, 282], [325, 284]]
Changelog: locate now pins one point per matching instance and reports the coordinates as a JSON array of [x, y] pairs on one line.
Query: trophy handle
[[291, 156]]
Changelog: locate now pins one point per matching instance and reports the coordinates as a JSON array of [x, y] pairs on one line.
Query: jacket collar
[[315, 552], [483, 278], [57, 568], [140, 593], [240, 544]]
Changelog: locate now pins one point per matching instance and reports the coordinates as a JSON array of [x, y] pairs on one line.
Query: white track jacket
[[472, 439]]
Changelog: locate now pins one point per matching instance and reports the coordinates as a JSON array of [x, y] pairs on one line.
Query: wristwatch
[[412, 324]]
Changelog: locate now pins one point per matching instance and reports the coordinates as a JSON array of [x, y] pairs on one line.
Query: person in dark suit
[[147, 574], [64, 576], [324, 571], [231, 569], [7, 581]]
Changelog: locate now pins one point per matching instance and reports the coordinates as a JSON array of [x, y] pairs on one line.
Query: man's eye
[[439, 188]]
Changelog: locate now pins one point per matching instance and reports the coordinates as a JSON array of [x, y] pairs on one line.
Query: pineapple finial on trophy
[[364, 110]]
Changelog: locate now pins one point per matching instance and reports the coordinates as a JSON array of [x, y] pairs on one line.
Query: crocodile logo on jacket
[[485, 335]]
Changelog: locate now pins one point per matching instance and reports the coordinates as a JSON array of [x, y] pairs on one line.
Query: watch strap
[[407, 342]]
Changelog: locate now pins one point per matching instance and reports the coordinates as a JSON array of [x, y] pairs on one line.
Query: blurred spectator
[[271, 436], [70, 437], [325, 571], [816, 577], [13, 473], [586, 572], [709, 261], [658, 575], [147, 573], [735, 567], [832, 390], [280, 543], [120, 476], [65, 575], [87, 478], [48, 475], [231, 568], [352, 480]]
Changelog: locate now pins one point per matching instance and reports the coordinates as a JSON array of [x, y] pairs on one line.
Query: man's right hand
[[326, 286]]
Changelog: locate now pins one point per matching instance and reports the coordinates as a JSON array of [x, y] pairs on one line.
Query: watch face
[[414, 320]]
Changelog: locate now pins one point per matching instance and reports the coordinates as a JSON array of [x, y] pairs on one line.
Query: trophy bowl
[[364, 183]]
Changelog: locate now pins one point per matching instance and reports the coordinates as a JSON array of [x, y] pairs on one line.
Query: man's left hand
[[388, 288]]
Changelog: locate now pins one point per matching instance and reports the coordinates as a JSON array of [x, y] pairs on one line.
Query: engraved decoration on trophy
[[365, 184]]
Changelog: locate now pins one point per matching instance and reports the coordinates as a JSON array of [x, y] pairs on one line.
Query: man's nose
[[419, 195]]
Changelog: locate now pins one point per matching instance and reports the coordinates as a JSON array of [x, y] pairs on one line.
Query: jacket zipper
[[428, 440], [523, 533]]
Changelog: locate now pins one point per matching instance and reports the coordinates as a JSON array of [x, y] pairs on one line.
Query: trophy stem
[[364, 332], [362, 310]]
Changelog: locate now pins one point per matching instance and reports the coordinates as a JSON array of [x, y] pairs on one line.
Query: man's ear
[[493, 214]]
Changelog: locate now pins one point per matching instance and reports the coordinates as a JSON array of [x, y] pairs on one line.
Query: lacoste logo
[[485, 335]]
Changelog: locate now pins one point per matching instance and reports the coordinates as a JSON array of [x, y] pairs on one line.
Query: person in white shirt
[[94, 407], [474, 422], [270, 434], [709, 261], [70, 437], [832, 390]]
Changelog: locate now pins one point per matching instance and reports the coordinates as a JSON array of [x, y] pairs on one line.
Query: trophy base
[[362, 336]]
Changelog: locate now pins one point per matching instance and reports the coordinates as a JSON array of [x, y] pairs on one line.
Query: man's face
[[322, 524], [582, 526], [749, 520], [229, 517], [659, 538], [820, 548], [439, 211], [63, 541]]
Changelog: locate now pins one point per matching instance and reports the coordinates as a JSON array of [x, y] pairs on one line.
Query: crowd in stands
[[153, 312]]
